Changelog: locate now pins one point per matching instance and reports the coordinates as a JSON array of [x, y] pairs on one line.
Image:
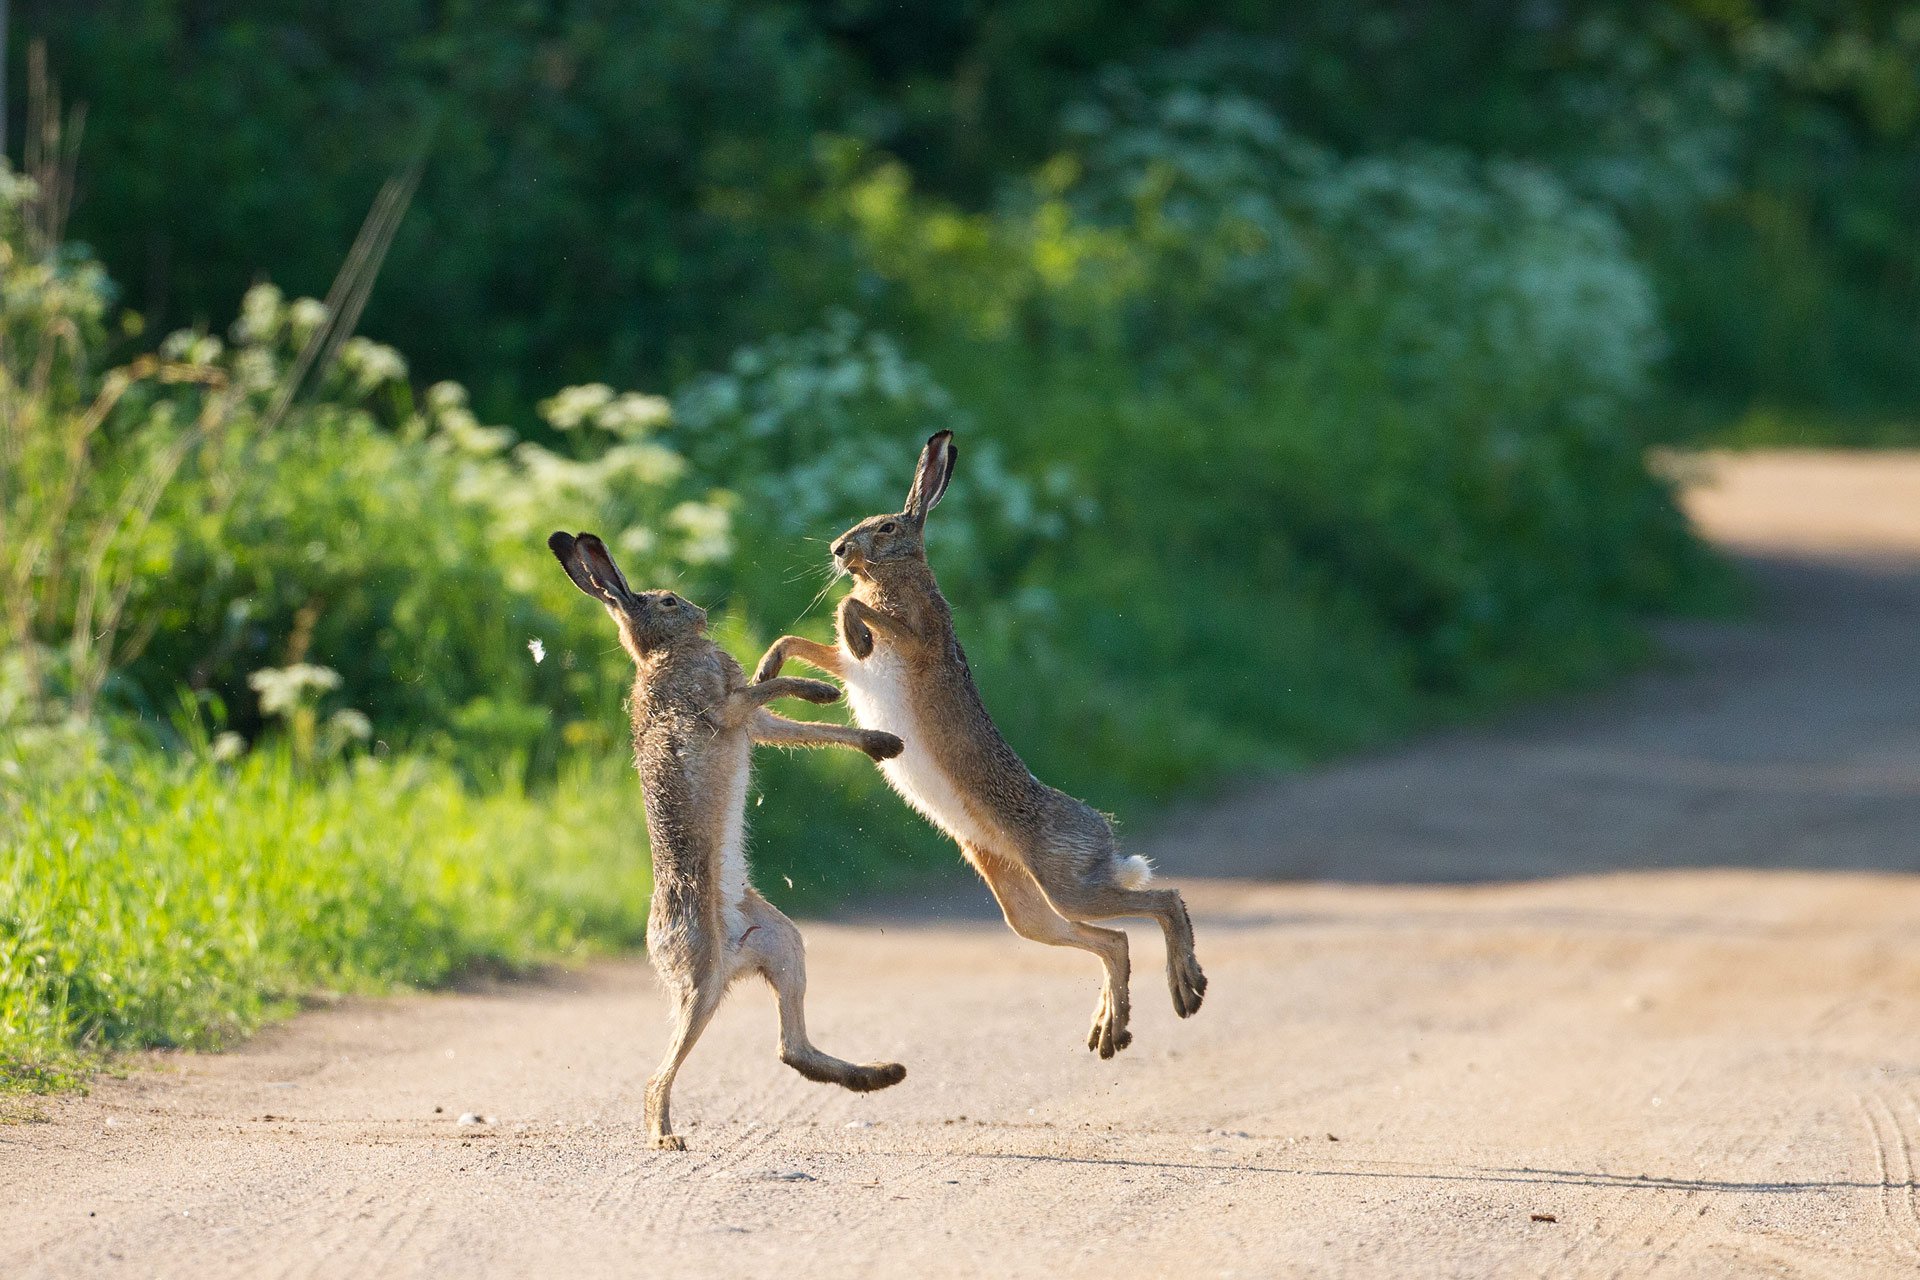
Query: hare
[[694, 722], [1049, 859]]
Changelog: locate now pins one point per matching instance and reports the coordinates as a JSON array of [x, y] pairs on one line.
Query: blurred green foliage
[[624, 192]]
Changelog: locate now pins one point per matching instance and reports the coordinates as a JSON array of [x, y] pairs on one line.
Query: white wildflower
[[371, 364], [631, 414], [255, 369], [304, 318], [349, 725], [650, 465], [283, 689], [707, 529], [262, 310], [571, 406], [446, 397]]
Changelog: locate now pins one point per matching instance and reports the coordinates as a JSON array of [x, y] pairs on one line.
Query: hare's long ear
[[586, 561], [930, 480], [601, 568]]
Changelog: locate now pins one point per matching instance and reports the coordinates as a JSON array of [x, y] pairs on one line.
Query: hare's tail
[[1134, 872]]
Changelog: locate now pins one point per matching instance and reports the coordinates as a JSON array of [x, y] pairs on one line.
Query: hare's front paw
[[884, 746], [816, 691], [859, 639]]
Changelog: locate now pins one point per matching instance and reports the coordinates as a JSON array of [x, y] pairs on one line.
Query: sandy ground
[[1620, 988]]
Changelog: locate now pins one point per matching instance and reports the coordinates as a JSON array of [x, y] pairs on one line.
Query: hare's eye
[[671, 603], [888, 527]]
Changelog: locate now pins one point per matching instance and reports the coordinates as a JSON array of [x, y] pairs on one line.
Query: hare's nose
[[840, 547]]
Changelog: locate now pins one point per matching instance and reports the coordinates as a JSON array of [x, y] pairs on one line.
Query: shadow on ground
[[1790, 739]]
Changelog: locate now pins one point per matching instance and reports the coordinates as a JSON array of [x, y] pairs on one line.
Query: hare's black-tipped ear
[[586, 561], [930, 480], [566, 549], [600, 567]]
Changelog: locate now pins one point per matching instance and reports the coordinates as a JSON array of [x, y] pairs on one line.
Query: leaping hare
[[694, 722], [1049, 859]]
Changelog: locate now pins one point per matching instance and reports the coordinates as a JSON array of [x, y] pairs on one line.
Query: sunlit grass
[[150, 902]]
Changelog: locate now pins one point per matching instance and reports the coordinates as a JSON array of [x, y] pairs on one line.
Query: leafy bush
[[821, 429], [622, 193], [187, 520], [1366, 438]]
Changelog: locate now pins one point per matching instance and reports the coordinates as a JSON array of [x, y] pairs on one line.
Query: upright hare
[[1049, 859], [694, 722]]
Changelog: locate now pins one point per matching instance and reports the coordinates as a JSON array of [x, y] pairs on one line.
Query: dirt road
[[1622, 988]]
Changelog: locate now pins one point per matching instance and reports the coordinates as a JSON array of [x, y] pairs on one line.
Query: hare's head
[[878, 543], [647, 619]]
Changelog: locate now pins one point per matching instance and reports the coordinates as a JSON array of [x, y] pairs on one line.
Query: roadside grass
[[1766, 428], [1704, 423], [151, 902], [154, 899]]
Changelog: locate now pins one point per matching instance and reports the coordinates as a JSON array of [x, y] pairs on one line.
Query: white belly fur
[[733, 851], [877, 694]]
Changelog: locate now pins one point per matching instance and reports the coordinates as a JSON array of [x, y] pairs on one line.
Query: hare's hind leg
[[693, 1006], [772, 946], [1100, 896], [1030, 915]]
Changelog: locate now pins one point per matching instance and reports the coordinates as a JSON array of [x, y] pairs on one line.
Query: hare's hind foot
[[669, 1142], [1096, 900], [823, 1068], [870, 1077], [1188, 984], [1109, 1034], [1184, 977], [773, 947]]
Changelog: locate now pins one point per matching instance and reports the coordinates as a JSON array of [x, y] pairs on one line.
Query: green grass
[[149, 902], [1764, 427]]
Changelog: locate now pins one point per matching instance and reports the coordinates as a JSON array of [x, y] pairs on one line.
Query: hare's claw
[[875, 1075], [1189, 985], [1109, 1033]]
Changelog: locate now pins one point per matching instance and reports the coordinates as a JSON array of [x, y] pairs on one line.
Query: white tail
[[1134, 872]]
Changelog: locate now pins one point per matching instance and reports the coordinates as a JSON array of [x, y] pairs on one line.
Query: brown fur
[[694, 722], [1050, 859]]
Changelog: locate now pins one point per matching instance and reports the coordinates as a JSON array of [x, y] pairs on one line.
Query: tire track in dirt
[[1894, 1162]]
